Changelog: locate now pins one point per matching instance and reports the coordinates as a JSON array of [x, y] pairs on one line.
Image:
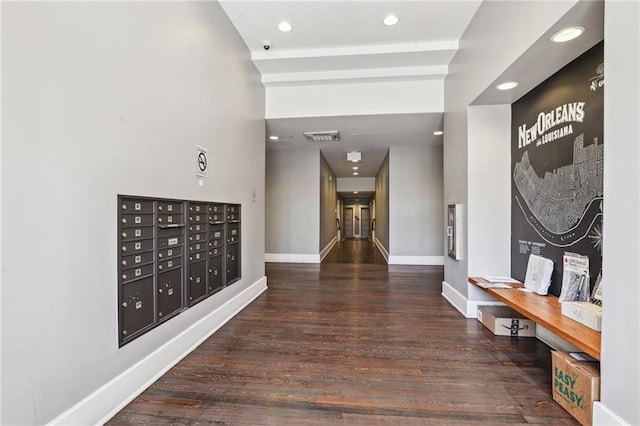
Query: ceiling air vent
[[329, 136]]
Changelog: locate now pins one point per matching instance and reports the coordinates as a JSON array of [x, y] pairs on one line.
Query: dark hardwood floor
[[353, 344], [355, 251]]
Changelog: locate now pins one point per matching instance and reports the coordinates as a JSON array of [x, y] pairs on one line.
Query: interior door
[[356, 222], [348, 222], [364, 222], [339, 220]]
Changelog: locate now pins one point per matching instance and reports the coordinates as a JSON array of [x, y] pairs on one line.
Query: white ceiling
[[346, 41], [370, 134], [343, 40], [336, 41]]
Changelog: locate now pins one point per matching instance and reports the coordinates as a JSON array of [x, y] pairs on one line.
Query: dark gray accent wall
[[328, 204], [382, 204]]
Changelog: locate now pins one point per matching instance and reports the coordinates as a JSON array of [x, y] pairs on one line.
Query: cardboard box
[[504, 321], [575, 383], [585, 313]]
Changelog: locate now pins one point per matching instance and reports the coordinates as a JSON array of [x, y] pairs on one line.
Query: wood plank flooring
[[353, 344], [355, 251]]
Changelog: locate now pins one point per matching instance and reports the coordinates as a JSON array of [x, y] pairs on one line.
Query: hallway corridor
[[353, 344], [355, 251]]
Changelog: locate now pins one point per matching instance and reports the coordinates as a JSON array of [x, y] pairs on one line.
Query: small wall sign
[[202, 161]]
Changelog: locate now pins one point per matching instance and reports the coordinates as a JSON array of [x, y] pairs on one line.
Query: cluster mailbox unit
[[172, 254]]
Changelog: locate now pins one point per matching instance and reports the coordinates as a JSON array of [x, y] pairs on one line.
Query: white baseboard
[[112, 397], [468, 308], [382, 249], [416, 260], [328, 248], [291, 258], [602, 416]]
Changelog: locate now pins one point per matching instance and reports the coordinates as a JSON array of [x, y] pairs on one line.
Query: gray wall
[[101, 99], [382, 203], [620, 367], [328, 204], [470, 73], [416, 212], [293, 201]]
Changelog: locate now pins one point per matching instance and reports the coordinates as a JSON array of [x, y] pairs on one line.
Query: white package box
[[585, 313]]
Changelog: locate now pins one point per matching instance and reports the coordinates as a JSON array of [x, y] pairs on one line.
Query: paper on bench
[[500, 279]]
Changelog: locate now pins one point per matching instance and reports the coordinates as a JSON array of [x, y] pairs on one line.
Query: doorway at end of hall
[[357, 221]]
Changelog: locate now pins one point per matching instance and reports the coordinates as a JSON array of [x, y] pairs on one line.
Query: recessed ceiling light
[[354, 156], [355, 173], [438, 133], [355, 167], [285, 27], [567, 34], [355, 192], [274, 138], [507, 85], [390, 20]]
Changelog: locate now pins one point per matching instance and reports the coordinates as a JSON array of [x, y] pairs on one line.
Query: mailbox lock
[[124, 304]]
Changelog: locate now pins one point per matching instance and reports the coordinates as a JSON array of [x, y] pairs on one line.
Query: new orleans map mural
[[557, 168]]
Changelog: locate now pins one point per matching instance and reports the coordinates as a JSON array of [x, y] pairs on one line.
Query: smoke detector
[[328, 136]]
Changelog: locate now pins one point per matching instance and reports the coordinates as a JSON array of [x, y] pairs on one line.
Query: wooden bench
[[545, 310]]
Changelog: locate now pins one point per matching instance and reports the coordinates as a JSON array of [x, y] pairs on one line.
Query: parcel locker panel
[[216, 274], [233, 270], [169, 293], [197, 281], [136, 299], [233, 233]]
